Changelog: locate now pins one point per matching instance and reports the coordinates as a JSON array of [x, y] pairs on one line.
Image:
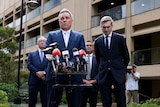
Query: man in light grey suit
[[112, 58], [66, 39]]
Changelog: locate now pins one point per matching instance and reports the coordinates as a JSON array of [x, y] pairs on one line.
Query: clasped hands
[[41, 75], [85, 81]]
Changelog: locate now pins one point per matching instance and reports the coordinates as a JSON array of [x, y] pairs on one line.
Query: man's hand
[[41, 74], [89, 81]]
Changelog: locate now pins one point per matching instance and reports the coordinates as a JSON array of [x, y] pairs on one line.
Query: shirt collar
[[90, 55], [110, 35], [68, 31], [39, 50]]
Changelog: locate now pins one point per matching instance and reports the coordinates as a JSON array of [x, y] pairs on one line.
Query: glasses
[[104, 27], [88, 45]]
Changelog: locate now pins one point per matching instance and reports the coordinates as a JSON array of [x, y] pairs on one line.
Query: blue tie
[[41, 56]]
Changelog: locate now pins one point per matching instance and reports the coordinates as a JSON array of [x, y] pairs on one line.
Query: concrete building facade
[[137, 20]]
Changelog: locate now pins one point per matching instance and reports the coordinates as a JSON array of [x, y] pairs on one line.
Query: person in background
[[132, 85], [112, 58], [37, 65], [92, 70], [66, 39]]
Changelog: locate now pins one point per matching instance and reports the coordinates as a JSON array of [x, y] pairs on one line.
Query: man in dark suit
[[66, 39], [112, 57], [90, 93], [37, 66]]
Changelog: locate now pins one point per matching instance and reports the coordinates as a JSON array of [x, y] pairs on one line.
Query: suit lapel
[[70, 39], [112, 41], [37, 54], [93, 59], [103, 44], [61, 39]]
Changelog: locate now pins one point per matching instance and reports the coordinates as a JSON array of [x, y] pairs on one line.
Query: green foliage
[[6, 32], [23, 92], [10, 89], [24, 76], [8, 47], [3, 99], [11, 47], [63, 100], [148, 103]]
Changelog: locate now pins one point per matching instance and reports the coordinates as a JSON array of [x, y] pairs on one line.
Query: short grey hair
[[41, 38], [105, 19], [63, 11]]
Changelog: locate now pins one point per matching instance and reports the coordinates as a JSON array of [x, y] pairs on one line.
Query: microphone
[[65, 54], [48, 52], [56, 54], [76, 54], [49, 57], [82, 54], [54, 45]]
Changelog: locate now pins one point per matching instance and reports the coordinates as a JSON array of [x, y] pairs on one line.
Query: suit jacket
[[94, 72], [116, 59], [94, 69], [76, 40], [34, 65]]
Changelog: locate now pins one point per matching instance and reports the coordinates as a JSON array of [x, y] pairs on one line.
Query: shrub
[[148, 103], [3, 99], [10, 89]]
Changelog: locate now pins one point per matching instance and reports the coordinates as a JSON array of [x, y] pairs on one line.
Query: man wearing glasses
[[112, 57]]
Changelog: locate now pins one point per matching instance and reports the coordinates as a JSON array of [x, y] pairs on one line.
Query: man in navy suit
[[112, 57], [91, 78], [37, 66], [66, 39]]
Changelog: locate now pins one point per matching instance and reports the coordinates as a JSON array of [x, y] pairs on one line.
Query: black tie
[[107, 42]]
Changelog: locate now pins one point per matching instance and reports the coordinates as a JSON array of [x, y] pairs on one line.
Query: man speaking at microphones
[[66, 39]]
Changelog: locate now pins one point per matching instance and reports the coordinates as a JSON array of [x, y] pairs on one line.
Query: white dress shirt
[[88, 76], [109, 39], [66, 35]]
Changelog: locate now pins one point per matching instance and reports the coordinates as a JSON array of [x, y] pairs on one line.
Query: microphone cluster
[[53, 55]]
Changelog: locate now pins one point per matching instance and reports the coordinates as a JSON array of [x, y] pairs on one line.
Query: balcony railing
[[147, 56], [116, 13], [32, 41], [51, 4], [140, 6], [34, 13]]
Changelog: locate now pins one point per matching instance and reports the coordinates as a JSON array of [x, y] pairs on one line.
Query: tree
[[8, 47]]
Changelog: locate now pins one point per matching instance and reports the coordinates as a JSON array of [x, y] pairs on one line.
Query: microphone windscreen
[[55, 52], [82, 53]]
